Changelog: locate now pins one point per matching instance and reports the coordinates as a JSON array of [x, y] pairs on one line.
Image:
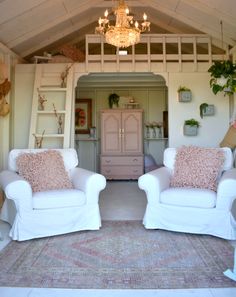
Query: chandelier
[[126, 32]]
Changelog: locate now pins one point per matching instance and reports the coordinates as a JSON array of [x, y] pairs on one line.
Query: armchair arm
[[17, 189], [226, 192], [154, 182], [89, 182]]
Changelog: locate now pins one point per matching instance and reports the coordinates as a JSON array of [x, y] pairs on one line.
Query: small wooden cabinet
[[121, 143]]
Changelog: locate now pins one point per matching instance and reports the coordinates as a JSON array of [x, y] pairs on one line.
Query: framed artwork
[[83, 115]]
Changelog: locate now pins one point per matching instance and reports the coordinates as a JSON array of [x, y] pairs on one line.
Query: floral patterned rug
[[121, 255]]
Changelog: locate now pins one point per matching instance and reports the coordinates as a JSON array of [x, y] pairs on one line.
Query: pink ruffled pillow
[[197, 167], [44, 171]]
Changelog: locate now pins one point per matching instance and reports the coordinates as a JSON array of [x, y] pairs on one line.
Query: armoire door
[[111, 133], [132, 132]]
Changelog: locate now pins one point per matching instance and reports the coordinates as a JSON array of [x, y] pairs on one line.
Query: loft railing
[[158, 51]]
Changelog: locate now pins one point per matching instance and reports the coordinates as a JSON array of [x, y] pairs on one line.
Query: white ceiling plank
[[191, 22], [57, 37], [84, 5], [207, 18], [204, 7], [12, 8], [30, 21], [30, 25], [226, 7]]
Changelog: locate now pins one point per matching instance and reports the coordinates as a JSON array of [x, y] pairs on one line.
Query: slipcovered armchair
[[34, 214], [191, 209]]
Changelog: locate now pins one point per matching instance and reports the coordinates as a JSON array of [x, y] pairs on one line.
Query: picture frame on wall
[[83, 116]]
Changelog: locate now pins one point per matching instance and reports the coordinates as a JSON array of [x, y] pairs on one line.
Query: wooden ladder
[[51, 106]]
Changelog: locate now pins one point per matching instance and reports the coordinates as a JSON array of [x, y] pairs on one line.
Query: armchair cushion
[[197, 167], [58, 199], [44, 170], [200, 198]]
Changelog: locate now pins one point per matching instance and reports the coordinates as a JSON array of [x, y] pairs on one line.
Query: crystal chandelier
[[126, 32]]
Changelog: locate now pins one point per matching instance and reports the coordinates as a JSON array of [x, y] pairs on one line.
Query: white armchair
[[191, 210], [40, 214]]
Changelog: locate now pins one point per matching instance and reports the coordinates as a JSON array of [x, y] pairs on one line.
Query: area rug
[[121, 255]]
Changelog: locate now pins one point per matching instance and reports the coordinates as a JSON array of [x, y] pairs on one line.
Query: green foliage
[[227, 70], [181, 89], [203, 107], [192, 122], [222, 68]]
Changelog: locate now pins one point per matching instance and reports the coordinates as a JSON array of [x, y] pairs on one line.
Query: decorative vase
[[92, 132], [147, 132], [59, 130], [63, 83], [154, 134], [41, 107]]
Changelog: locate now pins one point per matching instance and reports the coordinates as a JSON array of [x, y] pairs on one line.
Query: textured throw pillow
[[197, 167], [44, 171]]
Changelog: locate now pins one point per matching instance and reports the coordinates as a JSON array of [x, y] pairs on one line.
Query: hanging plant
[[203, 108], [223, 77]]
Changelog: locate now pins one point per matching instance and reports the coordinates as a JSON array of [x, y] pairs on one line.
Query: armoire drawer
[[122, 172], [121, 160]]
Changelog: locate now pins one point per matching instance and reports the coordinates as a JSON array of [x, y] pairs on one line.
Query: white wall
[[213, 128], [24, 83]]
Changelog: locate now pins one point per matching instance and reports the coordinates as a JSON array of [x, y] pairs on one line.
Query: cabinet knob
[[108, 161]]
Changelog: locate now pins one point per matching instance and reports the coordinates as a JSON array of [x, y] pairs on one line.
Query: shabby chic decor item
[[39, 140], [64, 75], [5, 87], [41, 101], [126, 31], [59, 120]]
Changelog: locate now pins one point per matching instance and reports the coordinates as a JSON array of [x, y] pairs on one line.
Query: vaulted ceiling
[[30, 27]]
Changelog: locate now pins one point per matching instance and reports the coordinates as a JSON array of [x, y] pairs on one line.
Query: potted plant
[[206, 109], [185, 94], [223, 77], [191, 127], [203, 108], [113, 99]]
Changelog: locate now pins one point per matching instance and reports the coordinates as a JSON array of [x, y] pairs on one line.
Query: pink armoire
[[121, 143]]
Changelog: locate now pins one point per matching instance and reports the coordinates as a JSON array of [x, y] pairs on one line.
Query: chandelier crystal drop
[[126, 31]]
